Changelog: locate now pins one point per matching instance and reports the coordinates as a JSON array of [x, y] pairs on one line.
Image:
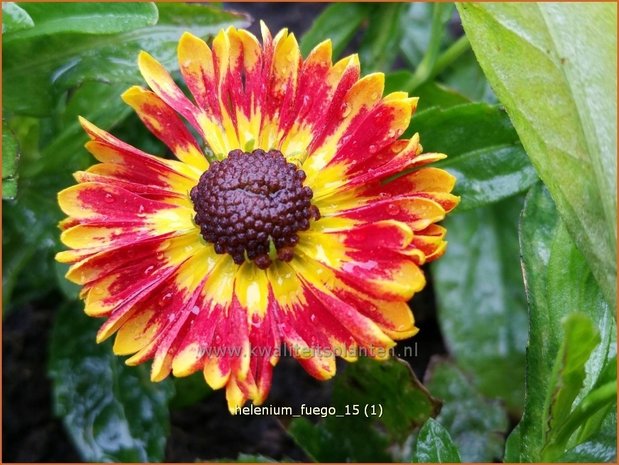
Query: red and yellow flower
[[297, 217]]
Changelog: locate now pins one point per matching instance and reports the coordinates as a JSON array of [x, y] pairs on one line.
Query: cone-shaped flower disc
[[305, 230]]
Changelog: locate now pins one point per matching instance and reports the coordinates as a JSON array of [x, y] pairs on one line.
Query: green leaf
[[483, 149], [400, 404], [38, 71], [434, 445], [602, 448], [379, 47], [558, 282], [338, 22], [86, 18], [66, 152], [481, 300], [476, 424], [591, 452], [112, 412], [466, 76], [29, 240], [579, 339], [10, 157], [14, 18], [549, 64], [431, 94]]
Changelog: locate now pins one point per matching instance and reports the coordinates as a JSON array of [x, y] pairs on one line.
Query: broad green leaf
[[553, 66], [483, 149], [86, 18], [113, 413], [579, 339], [379, 47], [434, 445], [481, 300], [400, 404], [476, 424], [602, 448], [14, 18], [431, 94], [338, 22], [591, 452], [466, 76], [558, 282], [36, 72], [10, 157], [29, 240]]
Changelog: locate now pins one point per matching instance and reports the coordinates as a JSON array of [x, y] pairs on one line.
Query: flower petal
[[163, 122]]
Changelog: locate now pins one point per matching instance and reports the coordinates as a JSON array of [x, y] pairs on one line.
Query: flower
[[299, 220]]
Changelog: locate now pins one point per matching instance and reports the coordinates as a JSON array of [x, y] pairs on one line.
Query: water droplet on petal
[[313, 317], [149, 270], [195, 310], [256, 320], [165, 299], [171, 317], [187, 63], [393, 209], [373, 148], [345, 110], [109, 198], [217, 340], [141, 209]]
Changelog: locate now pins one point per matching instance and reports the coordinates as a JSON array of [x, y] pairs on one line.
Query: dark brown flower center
[[252, 205]]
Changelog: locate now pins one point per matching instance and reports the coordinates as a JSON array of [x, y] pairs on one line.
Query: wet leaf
[[87, 18], [476, 424], [38, 71], [14, 18], [361, 436], [558, 283], [431, 94], [481, 300], [483, 149], [549, 64], [113, 413], [434, 445]]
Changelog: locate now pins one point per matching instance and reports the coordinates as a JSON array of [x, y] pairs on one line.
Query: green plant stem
[[455, 51]]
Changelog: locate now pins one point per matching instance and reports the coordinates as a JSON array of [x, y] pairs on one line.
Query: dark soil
[[31, 433]]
